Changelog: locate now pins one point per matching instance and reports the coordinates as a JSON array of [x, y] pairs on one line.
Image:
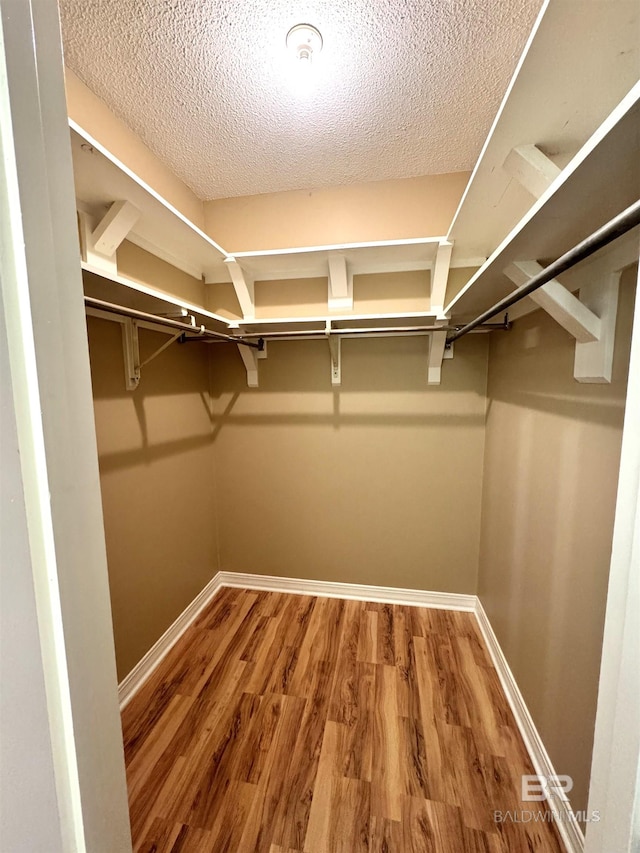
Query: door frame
[[615, 765], [57, 487]]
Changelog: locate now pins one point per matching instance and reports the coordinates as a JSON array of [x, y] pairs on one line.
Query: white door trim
[[49, 374], [615, 765]]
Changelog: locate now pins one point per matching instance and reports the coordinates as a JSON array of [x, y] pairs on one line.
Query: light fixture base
[[304, 40]]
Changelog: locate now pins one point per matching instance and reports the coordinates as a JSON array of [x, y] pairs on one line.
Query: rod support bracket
[[437, 344], [131, 351], [335, 353]]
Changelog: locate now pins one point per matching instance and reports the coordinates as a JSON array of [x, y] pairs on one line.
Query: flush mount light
[[304, 41]]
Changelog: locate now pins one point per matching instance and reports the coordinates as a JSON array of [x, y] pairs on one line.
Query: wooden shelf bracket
[[437, 341], [531, 168], [340, 296], [250, 358], [591, 319], [99, 243], [439, 277], [594, 360], [244, 287]]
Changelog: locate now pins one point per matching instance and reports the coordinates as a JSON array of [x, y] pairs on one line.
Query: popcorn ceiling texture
[[401, 88]]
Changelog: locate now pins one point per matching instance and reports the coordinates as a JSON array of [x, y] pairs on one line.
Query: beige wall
[[93, 115], [308, 297], [156, 468], [458, 277], [381, 210], [142, 266], [551, 470], [356, 484], [390, 292], [360, 483], [291, 297], [221, 299]]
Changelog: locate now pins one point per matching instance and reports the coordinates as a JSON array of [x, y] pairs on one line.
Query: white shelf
[[273, 324], [143, 297], [361, 258], [100, 179], [580, 61], [600, 181]]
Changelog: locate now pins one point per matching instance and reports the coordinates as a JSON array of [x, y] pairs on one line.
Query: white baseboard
[[360, 592], [570, 831], [132, 682]]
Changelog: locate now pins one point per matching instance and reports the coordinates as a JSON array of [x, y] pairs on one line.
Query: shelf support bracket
[[531, 168], [250, 358], [439, 277], [131, 352], [335, 351], [565, 308], [99, 243], [130, 346], [244, 287], [162, 348], [340, 284], [594, 360], [437, 341], [591, 319]]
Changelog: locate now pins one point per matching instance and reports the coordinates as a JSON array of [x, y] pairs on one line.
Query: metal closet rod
[[616, 227], [370, 330], [200, 331]]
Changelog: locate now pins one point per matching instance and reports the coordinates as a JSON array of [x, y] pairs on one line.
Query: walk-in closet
[[321, 444]]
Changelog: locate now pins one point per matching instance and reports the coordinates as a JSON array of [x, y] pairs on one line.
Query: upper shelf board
[[144, 297], [601, 181], [581, 59], [361, 258], [401, 319], [101, 179]]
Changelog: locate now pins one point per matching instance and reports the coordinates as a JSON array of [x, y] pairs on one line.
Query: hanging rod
[[364, 331], [200, 331], [616, 227]]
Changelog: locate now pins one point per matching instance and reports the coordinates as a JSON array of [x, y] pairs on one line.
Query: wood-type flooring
[[295, 724]]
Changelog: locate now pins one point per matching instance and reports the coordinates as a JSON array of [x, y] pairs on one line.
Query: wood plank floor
[[295, 724]]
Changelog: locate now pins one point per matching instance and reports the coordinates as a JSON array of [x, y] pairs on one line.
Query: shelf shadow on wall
[[151, 453], [347, 420], [218, 421], [608, 413]]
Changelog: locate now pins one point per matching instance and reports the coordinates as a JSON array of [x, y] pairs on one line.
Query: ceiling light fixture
[[304, 41]]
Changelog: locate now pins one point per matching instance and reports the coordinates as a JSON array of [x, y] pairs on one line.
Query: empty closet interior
[[304, 412]]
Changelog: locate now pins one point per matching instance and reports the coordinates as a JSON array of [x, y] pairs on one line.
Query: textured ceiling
[[401, 88]]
